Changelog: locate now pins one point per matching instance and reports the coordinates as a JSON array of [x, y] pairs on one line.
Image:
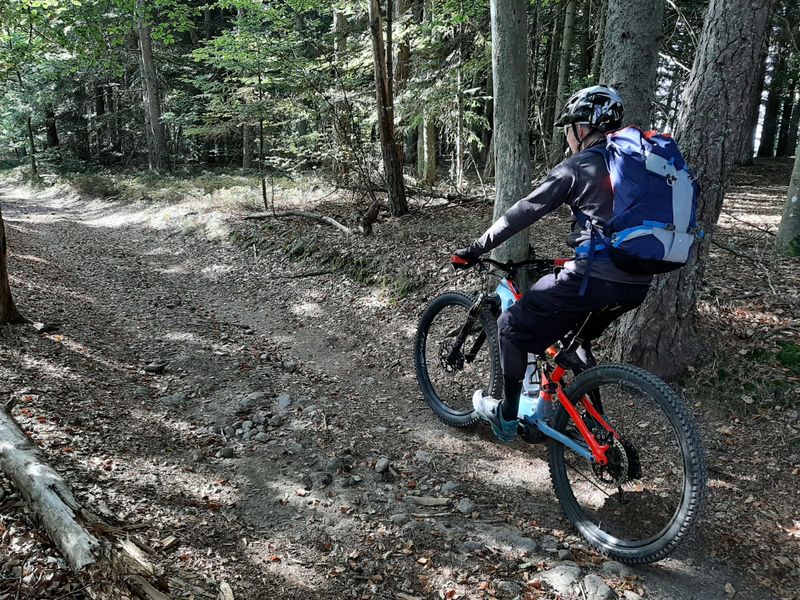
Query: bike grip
[[458, 260], [560, 262]]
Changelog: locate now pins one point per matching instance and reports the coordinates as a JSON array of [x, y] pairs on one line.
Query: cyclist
[[556, 303]]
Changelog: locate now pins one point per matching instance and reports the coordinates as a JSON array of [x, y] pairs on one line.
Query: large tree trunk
[[556, 151], [151, 94], [660, 335], [630, 55], [8, 311], [510, 141], [391, 159], [788, 241]]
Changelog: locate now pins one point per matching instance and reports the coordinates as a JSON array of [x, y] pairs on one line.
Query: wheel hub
[[450, 366], [615, 473]]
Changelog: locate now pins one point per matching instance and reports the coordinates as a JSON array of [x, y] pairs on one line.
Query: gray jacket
[[581, 182]]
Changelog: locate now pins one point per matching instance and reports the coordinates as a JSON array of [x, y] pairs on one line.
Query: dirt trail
[[256, 445]]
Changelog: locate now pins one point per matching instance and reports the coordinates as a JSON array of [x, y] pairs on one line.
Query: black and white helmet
[[599, 106]]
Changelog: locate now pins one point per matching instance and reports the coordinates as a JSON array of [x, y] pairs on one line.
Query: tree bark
[[391, 159], [151, 93], [630, 55], [660, 335], [510, 140], [788, 241], [557, 148], [8, 310]]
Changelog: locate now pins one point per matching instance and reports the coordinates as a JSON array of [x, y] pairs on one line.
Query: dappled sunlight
[[375, 298], [85, 351], [22, 281], [43, 367], [31, 258], [307, 309]]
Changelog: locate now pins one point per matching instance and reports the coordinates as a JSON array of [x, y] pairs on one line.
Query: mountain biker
[[556, 303]]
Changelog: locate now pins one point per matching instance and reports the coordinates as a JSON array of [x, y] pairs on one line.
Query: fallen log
[[111, 567], [306, 215]]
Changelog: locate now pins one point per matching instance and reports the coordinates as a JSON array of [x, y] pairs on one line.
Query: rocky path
[[267, 431]]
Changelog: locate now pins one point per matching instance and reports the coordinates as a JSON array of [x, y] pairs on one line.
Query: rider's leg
[[515, 363]]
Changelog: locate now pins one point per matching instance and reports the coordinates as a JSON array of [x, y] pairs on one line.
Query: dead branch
[[296, 213], [754, 226]]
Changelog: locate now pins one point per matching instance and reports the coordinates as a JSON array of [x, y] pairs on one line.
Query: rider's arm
[[548, 196]]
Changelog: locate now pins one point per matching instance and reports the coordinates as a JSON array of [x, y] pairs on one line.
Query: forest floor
[[202, 392]]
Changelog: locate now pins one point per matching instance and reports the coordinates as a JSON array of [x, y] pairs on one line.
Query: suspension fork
[[458, 344]]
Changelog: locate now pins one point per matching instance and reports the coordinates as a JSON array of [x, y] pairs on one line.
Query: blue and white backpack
[[654, 222]]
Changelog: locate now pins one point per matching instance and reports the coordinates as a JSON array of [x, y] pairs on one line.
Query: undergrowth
[[308, 248]]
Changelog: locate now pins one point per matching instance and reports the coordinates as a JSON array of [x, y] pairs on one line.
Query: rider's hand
[[463, 259]]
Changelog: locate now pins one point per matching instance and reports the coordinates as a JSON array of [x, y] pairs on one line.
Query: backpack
[[654, 223]]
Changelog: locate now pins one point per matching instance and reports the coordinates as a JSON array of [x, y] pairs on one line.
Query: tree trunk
[[510, 140], [342, 118], [151, 94], [50, 125], [585, 57], [597, 58], [247, 146], [552, 76], [32, 143], [99, 113], [557, 148], [8, 311], [660, 335], [459, 149], [748, 147], [769, 127], [630, 55], [426, 139], [794, 125], [391, 160], [788, 241], [783, 148]]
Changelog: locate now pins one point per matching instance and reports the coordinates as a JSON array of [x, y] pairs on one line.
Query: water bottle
[[529, 399]]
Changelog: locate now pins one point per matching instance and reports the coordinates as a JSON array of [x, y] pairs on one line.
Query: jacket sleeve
[[554, 191]]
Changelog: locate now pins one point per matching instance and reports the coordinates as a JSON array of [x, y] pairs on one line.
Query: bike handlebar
[[510, 266]]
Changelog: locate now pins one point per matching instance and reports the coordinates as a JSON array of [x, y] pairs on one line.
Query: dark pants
[[551, 309]]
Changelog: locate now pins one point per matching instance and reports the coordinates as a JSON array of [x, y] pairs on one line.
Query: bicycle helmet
[[598, 106]]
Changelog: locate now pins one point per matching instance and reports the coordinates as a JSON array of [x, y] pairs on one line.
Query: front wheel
[[456, 354], [639, 507]]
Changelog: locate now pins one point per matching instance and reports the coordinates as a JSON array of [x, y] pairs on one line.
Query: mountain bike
[[625, 458]]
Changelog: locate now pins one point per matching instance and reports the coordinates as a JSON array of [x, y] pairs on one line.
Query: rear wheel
[[449, 372], [640, 506]]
